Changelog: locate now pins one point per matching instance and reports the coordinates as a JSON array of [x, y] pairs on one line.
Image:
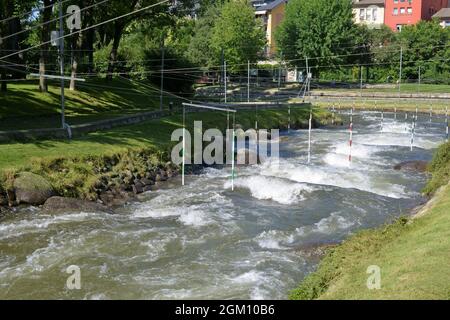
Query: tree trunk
[[76, 46], [3, 83], [118, 29], [90, 50], [45, 37]]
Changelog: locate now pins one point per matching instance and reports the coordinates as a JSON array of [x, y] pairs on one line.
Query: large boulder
[[419, 166], [56, 205], [32, 189]]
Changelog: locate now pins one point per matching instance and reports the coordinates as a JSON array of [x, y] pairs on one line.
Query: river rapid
[[203, 241]]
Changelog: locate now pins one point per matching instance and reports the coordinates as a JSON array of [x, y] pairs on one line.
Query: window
[[395, 11], [399, 27], [369, 15], [395, 1], [375, 14], [362, 14], [402, 10], [409, 10]]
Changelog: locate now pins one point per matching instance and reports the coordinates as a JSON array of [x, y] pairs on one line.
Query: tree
[[319, 29], [11, 40], [424, 45], [200, 50], [238, 34]]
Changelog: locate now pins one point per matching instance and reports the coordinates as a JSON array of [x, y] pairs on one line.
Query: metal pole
[[61, 63], [420, 79], [232, 153], [401, 71], [184, 147], [162, 74], [361, 81], [279, 73], [309, 138], [307, 77], [248, 82], [351, 139], [225, 79]]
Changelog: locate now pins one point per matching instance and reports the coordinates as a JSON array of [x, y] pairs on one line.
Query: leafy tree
[[319, 29], [200, 50], [424, 45], [238, 34]]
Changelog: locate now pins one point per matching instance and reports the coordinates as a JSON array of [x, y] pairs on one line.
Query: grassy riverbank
[[25, 107], [413, 254], [74, 167]]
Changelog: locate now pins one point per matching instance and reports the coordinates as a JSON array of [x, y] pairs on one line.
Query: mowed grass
[[413, 254], [153, 133], [413, 259], [25, 107], [405, 88]]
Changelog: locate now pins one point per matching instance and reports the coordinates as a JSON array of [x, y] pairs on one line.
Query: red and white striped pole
[[350, 142], [309, 138]]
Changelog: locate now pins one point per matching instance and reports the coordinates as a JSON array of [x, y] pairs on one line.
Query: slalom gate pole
[[256, 121], [333, 115], [406, 121], [309, 138], [232, 150], [413, 132], [183, 167], [289, 116], [351, 138]]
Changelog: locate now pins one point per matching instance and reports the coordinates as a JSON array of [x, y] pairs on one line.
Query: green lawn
[[413, 255], [405, 88], [24, 107], [153, 133]]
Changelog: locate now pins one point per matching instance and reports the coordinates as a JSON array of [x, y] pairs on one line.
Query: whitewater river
[[204, 241]]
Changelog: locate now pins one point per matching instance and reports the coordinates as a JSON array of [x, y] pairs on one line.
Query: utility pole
[[61, 62], [279, 73], [162, 74], [361, 81], [225, 79], [248, 81], [420, 79], [307, 76], [401, 70]]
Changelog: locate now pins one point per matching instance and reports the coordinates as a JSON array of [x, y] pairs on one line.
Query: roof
[[443, 13], [270, 6], [366, 3]]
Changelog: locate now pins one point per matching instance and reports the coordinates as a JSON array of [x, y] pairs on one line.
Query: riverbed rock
[[56, 205], [3, 200], [138, 188], [419, 166], [32, 189], [147, 182]]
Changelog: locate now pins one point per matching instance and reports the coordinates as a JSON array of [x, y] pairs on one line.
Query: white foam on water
[[271, 188], [41, 222], [274, 239], [334, 222], [195, 218], [342, 178], [391, 139], [252, 276]]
